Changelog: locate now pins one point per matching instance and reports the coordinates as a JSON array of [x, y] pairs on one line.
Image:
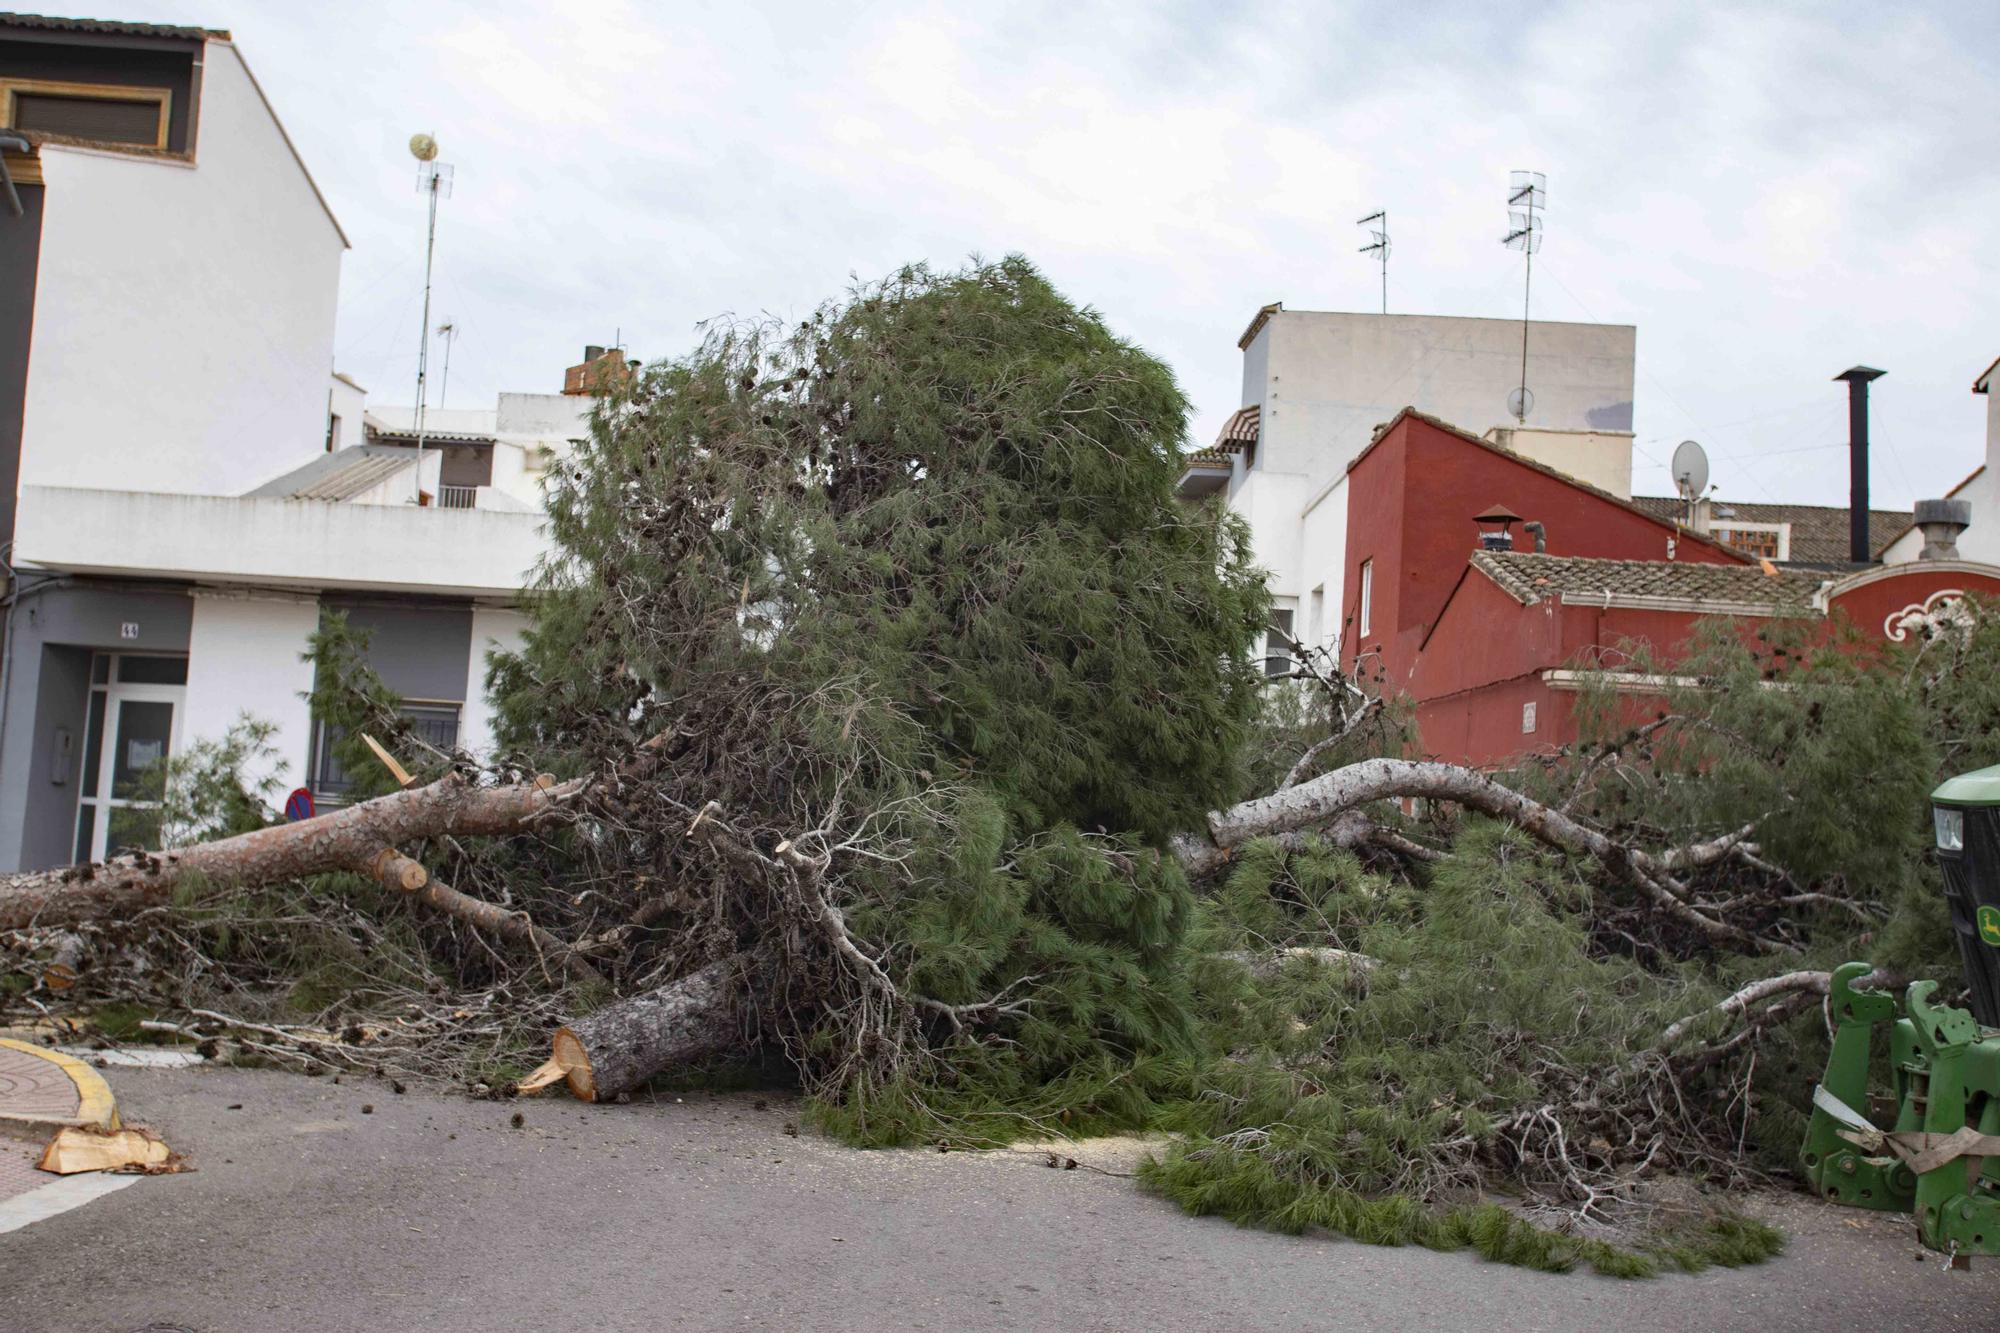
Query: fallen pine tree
[[884, 710]]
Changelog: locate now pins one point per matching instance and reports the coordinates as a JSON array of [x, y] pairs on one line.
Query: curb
[[95, 1107]]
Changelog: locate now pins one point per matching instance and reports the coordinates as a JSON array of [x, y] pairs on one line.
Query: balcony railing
[[457, 497]]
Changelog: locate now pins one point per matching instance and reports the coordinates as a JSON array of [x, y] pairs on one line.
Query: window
[[103, 113], [435, 724], [1278, 644], [1365, 617], [1772, 541]]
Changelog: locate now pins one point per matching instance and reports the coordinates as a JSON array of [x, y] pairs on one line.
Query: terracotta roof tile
[[1530, 578], [110, 27]]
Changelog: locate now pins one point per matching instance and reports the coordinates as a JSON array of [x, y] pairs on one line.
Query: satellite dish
[[423, 147], [1690, 469], [1520, 402]]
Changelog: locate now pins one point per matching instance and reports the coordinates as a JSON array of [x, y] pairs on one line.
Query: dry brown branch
[[400, 874]]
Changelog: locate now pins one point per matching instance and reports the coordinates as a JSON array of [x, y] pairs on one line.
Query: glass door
[[135, 706]]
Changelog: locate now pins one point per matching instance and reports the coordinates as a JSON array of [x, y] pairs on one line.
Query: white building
[[1981, 490], [1317, 384], [186, 488]]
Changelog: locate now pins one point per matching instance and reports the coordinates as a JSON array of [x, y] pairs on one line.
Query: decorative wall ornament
[[1945, 610]]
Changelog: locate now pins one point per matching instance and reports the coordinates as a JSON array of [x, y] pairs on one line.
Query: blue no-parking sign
[[299, 805]]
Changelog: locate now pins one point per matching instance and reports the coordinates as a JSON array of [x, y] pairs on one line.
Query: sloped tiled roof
[[109, 27], [1530, 578], [1205, 458], [1819, 532], [340, 475]]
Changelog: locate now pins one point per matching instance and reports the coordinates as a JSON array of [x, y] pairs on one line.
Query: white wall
[[244, 658], [1323, 383], [552, 417], [280, 543], [492, 628], [1323, 562], [1331, 379], [515, 475], [348, 402], [1601, 458], [1270, 502], [183, 329]]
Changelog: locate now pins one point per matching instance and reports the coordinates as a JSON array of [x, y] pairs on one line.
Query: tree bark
[[348, 839], [1265, 965], [622, 1045], [1331, 803]]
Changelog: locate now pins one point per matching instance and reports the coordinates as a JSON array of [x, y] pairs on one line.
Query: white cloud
[[1771, 194]]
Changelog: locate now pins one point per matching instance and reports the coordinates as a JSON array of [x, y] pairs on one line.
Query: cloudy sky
[[1770, 193]]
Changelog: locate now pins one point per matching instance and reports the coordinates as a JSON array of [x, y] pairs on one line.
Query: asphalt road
[[438, 1214]]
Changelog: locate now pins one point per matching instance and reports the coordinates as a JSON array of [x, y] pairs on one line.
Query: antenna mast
[[1527, 196], [433, 179], [449, 332], [1378, 245]]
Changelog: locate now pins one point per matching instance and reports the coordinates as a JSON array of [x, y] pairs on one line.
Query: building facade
[[1317, 386], [188, 487]]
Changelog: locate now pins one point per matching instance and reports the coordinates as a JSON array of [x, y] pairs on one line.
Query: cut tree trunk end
[[622, 1045]]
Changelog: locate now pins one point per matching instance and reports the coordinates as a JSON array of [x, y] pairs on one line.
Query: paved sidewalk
[[40, 1090], [35, 1085]]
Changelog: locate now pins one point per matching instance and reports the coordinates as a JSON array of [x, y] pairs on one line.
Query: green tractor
[[1941, 1157]]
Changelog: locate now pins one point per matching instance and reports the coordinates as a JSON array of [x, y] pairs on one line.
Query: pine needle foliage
[[1375, 1102], [908, 586]]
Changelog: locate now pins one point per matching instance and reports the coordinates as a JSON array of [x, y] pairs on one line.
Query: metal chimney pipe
[[1859, 549]]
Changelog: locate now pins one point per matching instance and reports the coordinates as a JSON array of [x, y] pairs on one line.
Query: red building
[[1494, 644]]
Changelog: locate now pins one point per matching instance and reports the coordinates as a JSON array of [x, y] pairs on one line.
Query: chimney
[[604, 370], [1540, 534], [1495, 528], [1941, 521], [1859, 549]]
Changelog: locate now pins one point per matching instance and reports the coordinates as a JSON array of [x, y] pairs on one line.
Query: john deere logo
[[1989, 925]]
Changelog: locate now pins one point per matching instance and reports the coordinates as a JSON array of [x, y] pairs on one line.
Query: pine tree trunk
[[622, 1045], [347, 839]]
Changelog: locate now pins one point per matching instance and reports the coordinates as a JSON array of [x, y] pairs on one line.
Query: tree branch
[[1325, 800]]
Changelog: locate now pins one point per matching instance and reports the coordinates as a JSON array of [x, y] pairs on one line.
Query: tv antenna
[[1690, 467], [1527, 196], [449, 332], [433, 179], [1378, 245]]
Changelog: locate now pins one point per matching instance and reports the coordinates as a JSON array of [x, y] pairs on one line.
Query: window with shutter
[[102, 113]]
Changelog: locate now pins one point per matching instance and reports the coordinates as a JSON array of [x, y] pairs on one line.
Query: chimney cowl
[[591, 351], [1540, 534], [1496, 524], [1941, 521]]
